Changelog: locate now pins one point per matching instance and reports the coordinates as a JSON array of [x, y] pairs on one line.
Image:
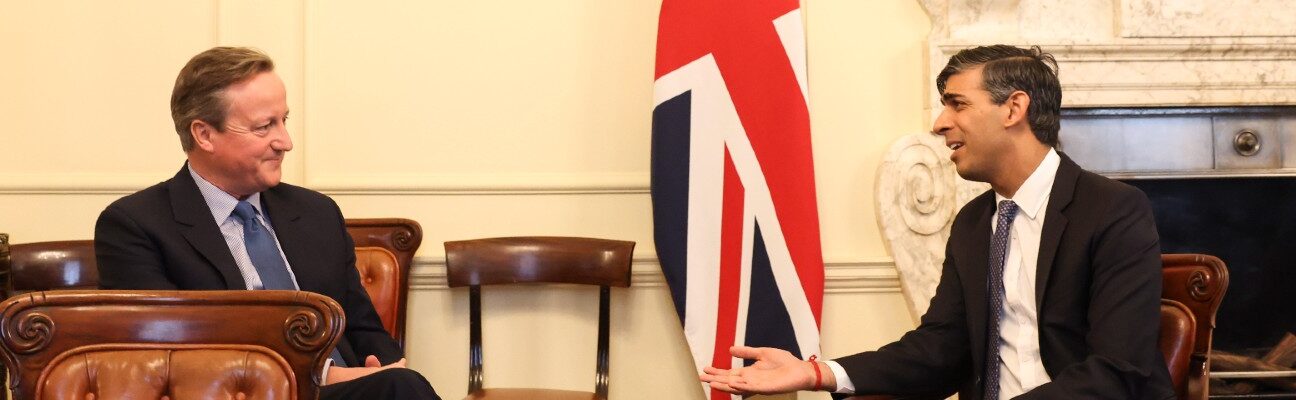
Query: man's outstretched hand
[[775, 371]]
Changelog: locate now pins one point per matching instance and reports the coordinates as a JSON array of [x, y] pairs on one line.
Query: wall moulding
[[76, 184], [860, 276], [464, 184], [473, 184]]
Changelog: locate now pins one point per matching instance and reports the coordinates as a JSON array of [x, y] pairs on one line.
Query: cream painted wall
[[476, 119]]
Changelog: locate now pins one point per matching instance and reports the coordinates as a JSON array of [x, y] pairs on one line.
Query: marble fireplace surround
[[1111, 53]]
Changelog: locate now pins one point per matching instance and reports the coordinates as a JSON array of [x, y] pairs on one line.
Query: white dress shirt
[[1020, 366]]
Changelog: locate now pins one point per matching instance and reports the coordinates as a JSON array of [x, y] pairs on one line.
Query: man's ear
[[202, 134], [1018, 102]]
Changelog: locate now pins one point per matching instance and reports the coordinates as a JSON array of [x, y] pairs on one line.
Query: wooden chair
[[497, 261], [74, 344], [384, 254]]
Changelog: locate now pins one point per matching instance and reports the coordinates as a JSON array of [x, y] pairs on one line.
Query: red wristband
[[818, 376]]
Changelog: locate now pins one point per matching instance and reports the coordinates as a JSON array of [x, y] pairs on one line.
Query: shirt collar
[[221, 204], [1035, 190]]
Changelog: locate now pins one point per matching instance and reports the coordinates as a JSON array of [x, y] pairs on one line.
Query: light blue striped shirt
[[222, 206]]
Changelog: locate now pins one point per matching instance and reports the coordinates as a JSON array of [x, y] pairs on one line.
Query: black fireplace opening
[[1250, 223]]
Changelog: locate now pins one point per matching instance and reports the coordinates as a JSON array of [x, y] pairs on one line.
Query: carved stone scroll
[[918, 194]]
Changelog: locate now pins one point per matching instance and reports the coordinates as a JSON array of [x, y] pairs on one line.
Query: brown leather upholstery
[[384, 253], [381, 275], [200, 372], [386, 276], [1178, 337], [1198, 281], [500, 261], [264, 344]]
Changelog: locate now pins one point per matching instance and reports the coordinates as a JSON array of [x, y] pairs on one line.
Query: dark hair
[[200, 88], [1008, 69]]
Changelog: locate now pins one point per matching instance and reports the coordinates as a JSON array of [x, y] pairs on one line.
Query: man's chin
[[267, 182], [970, 175]]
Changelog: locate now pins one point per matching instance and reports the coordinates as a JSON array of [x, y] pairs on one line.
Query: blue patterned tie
[[267, 260], [998, 250], [263, 250]]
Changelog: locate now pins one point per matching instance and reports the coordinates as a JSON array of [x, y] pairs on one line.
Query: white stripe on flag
[[706, 189], [792, 35]]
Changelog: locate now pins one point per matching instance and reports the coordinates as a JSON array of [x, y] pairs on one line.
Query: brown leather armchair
[[1198, 281], [384, 254], [498, 261], [41, 266], [74, 344]]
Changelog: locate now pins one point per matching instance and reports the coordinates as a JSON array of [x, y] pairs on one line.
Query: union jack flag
[[733, 189]]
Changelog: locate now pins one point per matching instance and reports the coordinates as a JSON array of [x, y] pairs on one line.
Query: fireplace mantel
[[1116, 53]]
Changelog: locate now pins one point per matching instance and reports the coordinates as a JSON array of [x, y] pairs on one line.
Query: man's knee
[[404, 382]]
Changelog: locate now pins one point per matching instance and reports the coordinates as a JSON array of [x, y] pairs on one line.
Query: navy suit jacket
[[164, 238], [1098, 290]]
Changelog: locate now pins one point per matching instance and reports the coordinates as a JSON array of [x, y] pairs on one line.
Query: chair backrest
[[71, 344], [1197, 281], [1178, 338], [384, 254], [50, 265], [497, 261]]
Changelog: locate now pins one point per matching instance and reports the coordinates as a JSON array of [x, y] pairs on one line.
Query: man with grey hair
[[1052, 279], [225, 222]]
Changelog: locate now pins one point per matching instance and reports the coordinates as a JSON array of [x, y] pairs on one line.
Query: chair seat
[[530, 394]]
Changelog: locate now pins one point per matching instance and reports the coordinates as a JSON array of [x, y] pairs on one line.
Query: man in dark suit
[[225, 222], [1052, 280]]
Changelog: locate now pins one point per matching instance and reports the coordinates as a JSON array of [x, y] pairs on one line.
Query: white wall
[[476, 119]]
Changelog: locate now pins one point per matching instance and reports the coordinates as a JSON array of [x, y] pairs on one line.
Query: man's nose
[[942, 124], [282, 140]]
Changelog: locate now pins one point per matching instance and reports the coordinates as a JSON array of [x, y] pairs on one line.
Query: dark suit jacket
[[1098, 289], [164, 238]]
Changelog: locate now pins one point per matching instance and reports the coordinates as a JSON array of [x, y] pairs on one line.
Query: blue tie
[[998, 250], [264, 252]]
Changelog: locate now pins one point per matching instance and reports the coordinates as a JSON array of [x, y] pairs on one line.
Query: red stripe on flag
[[731, 238]]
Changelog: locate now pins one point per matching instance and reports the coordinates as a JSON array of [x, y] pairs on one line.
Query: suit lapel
[[1055, 223], [199, 229], [978, 261]]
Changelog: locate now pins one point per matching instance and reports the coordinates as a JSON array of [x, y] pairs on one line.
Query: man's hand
[[342, 374], [775, 371]]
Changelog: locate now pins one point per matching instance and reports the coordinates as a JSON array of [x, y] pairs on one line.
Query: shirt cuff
[[844, 384], [324, 374]]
